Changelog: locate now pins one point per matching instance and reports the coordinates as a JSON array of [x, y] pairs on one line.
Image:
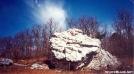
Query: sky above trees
[[17, 15]]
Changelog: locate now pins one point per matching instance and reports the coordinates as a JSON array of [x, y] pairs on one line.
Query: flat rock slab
[[18, 64]]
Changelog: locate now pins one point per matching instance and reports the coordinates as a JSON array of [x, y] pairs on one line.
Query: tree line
[[29, 43], [34, 42]]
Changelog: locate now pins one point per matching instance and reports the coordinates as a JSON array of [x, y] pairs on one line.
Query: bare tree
[[36, 31], [72, 23], [6, 46], [45, 43], [123, 26], [52, 26], [88, 24]]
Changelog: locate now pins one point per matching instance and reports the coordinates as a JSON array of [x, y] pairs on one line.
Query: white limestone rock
[[5, 61], [38, 66], [73, 48]]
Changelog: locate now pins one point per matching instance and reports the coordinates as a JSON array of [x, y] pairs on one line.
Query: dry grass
[[13, 69], [30, 61]]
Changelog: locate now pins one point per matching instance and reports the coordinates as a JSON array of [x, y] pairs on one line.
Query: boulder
[[5, 61], [72, 49], [38, 66]]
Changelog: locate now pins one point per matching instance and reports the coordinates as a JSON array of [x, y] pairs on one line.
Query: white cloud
[[44, 10]]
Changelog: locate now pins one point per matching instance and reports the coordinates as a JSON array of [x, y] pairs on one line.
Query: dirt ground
[[128, 65]]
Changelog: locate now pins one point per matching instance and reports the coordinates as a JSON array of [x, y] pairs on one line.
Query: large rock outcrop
[[72, 50]]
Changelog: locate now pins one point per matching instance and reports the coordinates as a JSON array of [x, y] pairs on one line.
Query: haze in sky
[[17, 15]]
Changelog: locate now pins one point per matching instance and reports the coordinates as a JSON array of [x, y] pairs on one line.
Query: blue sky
[[17, 15]]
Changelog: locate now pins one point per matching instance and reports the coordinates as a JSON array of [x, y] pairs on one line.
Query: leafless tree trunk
[[52, 26]]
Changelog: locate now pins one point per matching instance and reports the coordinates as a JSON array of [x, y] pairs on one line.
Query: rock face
[[5, 61], [72, 50]]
